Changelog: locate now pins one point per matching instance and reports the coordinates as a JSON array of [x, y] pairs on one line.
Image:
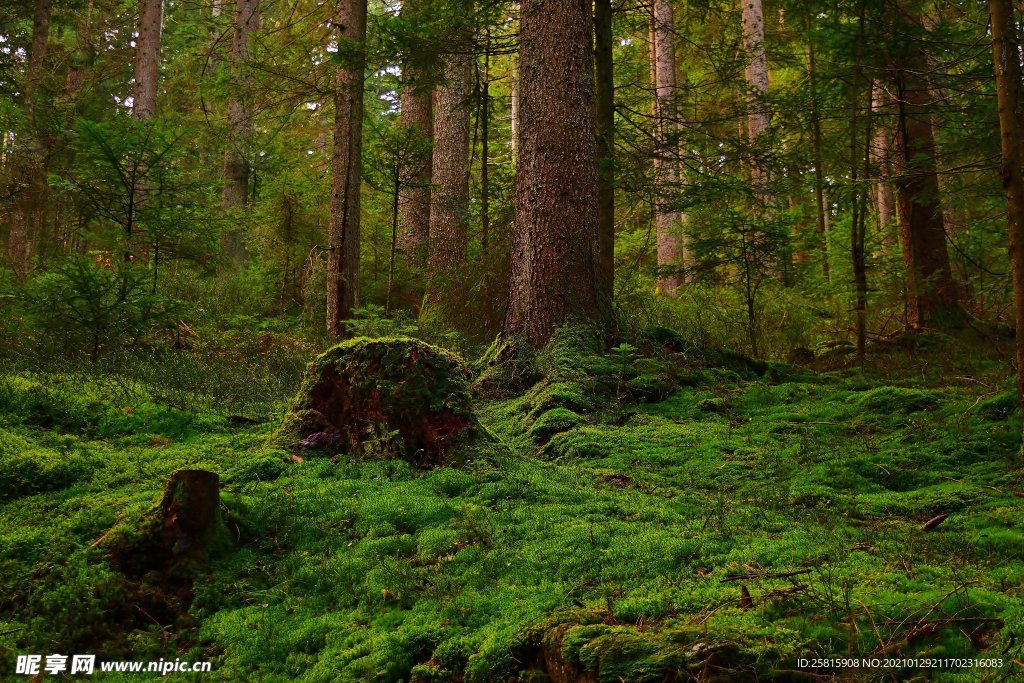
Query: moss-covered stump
[[394, 397]]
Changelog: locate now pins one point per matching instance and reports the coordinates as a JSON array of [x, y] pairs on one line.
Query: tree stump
[[393, 397], [190, 511]]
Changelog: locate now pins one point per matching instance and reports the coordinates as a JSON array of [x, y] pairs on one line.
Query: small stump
[[394, 397], [190, 511]]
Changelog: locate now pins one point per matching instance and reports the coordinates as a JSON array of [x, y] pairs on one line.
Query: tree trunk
[[190, 511], [147, 59], [346, 167], [417, 117], [554, 243], [671, 246], [883, 152], [1006, 57], [757, 81], [29, 168], [449, 197], [931, 292], [236, 160], [819, 163], [604, 115]]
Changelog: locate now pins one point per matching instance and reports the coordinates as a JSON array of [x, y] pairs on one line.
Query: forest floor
[[659, 521]]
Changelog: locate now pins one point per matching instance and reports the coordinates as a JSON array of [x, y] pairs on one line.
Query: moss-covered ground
[[634, 519]]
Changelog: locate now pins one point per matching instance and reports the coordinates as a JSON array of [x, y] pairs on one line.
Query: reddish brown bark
[[1010, 94], [757, 78], [671, 246], [346, 167], [554, 245], [604, 113], [147, 58]]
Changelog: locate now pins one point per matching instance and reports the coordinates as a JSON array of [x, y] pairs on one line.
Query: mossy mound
[[391, 397], [553, 422]]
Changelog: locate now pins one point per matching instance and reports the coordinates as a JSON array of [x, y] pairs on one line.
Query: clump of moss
[[889, 400], [507, 368], [553, 422], [396, 397], [999, 408]]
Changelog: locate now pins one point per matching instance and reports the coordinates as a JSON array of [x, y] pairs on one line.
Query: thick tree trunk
[[604, 114], [236, 160], [346, 167], [554, 244], [147, 59], [190, 512], [449, 197], [417, 117], [29, 167], [1010, 94], [931, 292], [757, 81], [671, 246]]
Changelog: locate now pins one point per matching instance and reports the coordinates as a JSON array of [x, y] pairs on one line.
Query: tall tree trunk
[[757, 81], [236, 160], [883, 152], [604, 115], [29, 168], [449, 197], [819, 162], [417, 117], [147, 59], [671, 246], [1010, 94], [554, 243], [932, 295], [346, 167]]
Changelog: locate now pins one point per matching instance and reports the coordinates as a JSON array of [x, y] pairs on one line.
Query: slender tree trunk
[[671, 246], [147, 59], [819, 163], [1010, 94], [604, 115], [514, 114], [29, 167], [932, 295], [417, 117], [449, 197], [883, 151], [555, 240], [757, 81], [346, 167], [236, 160], [484, 116]]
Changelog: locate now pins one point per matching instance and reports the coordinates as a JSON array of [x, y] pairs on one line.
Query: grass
[[613, 526]]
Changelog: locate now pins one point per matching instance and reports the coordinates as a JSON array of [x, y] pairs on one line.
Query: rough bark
[[147, 58], [417, 117], [932, 296], [554, 244], [604, 113], [190, 511], [756, 73], [449, 197], [28, 170], [1006, 58], [235, 193], [346, 167], [671, 246]]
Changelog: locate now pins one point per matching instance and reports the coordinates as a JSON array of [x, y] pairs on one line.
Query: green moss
[[897, 400], [553, 422], [999, 408]]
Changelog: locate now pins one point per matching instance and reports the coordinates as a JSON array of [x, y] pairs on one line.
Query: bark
[[671, 246], [883, 152], [147, 59], [932, 296], [604, 114], [190, 511], [29, 167], [757, 78], [1006, 58], [346, 167], [236, 162], [449, 197], [417, 116], [819, 162], [554, 277]]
